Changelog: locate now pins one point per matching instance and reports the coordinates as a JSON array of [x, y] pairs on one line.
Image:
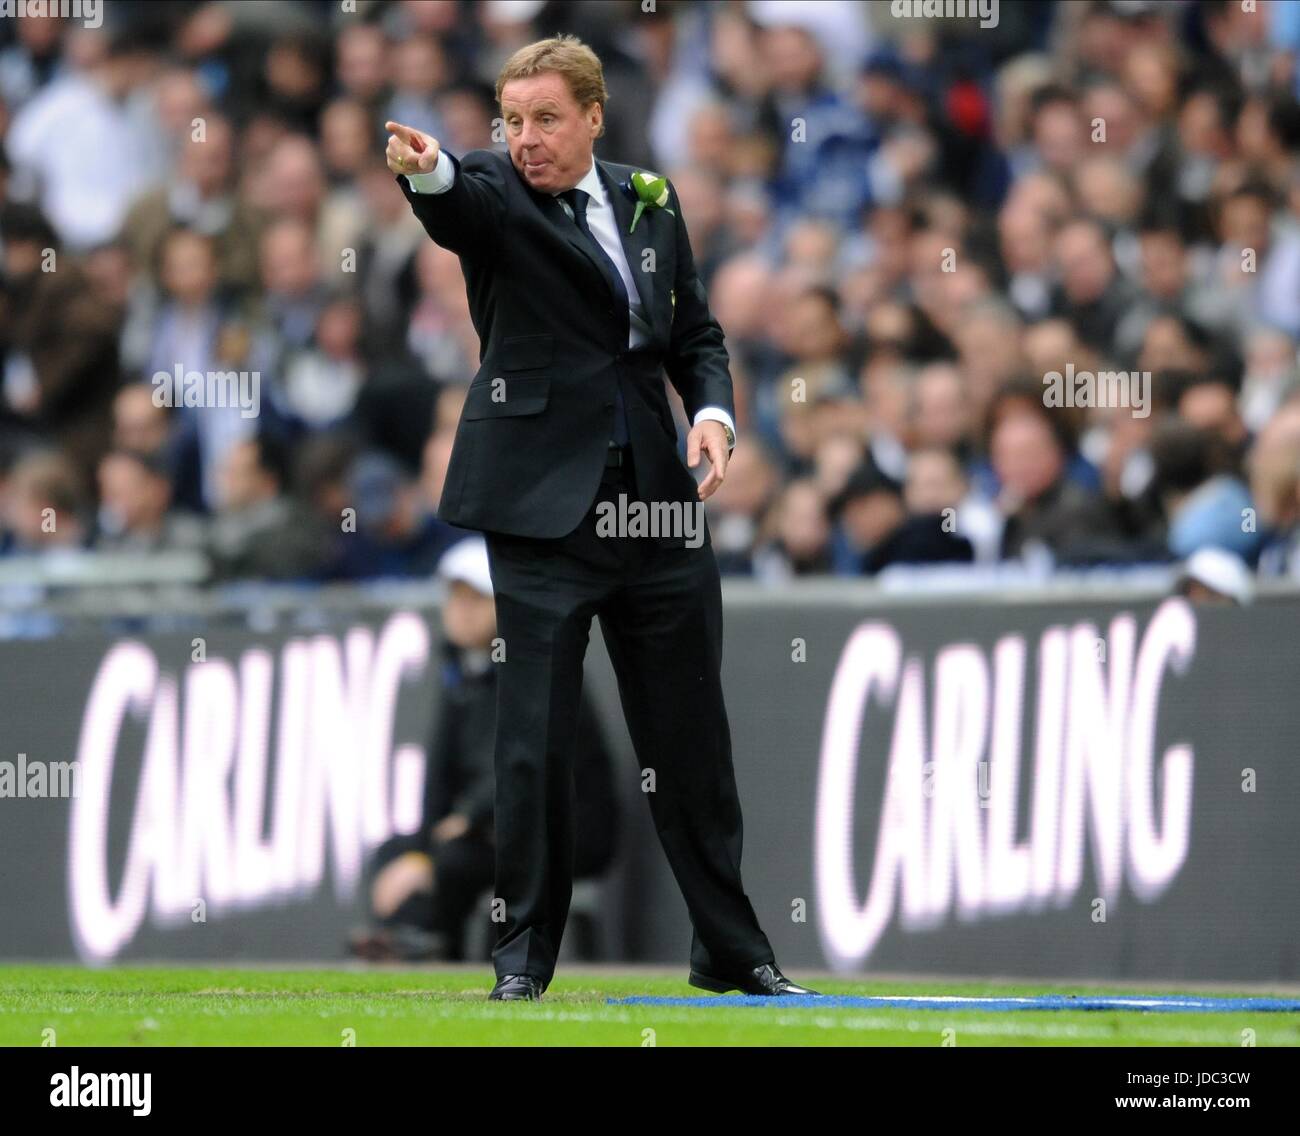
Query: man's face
[[21, 258], [549, 135], [1085, 263], [1246, 223], [130, 491], [934, 482], [1026, 457], [871, 517], [469, 618], [137, 423], [242, 482]]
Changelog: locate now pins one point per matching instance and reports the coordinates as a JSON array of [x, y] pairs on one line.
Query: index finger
[[405, 133], [719, 470]]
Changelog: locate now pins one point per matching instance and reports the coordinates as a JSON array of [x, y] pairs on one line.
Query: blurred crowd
[[905, 224]]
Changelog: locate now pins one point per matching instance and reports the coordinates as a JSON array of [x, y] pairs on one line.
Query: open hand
[[710, 438], [452, 826]]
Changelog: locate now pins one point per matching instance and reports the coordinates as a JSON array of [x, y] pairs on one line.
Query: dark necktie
[[577, 199]]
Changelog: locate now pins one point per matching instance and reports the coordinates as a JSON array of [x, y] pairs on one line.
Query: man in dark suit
[[566, 425]]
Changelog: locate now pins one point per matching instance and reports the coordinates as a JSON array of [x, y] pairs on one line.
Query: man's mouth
[[533, 167]]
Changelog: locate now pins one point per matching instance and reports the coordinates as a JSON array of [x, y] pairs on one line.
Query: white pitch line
[[863, 1022]]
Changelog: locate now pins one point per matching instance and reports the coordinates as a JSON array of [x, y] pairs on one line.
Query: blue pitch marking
[[1152, 1003]]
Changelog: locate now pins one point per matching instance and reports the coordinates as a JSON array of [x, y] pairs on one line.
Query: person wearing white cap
[[423, 886], [1215, 575], [466, 562]]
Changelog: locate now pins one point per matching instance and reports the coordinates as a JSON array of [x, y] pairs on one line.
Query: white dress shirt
[[604, 227]]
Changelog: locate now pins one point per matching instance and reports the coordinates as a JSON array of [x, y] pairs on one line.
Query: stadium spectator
[[135, 513], [1275, 490], [258, 530], [1093, 295], [884, 530], [937, 486], [1206, 504], [196, 330], [1042, 507], [94, 109], [1256, 275], [915, 223], [396, 533], [1272, 366], [1210, 402], [43, 506], [200, 196], [59, 340], [322, 381], [736, 510], [794, 539], [139, 423], [422, 887], [1215, 576]]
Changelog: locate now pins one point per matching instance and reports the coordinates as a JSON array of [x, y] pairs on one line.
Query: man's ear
[[598, 121]]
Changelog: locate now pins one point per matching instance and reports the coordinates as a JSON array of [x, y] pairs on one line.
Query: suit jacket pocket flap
[[520, 352], [506, 397]]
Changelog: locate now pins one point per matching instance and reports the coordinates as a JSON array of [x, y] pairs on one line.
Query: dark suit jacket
[[530, 449]]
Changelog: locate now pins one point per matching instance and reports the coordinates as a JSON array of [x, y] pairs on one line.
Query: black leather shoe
[[517, 988], [765, 980]]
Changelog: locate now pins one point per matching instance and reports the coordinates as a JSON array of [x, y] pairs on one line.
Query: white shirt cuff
[[717, 414], [437, 180]]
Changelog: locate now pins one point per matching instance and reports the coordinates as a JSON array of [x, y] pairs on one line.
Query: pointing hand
[[410, 151]]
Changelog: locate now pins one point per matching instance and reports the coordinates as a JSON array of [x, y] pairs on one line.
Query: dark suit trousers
[[660, 611]]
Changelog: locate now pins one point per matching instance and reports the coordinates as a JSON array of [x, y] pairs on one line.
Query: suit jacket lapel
[[634, 245], [564, 225]]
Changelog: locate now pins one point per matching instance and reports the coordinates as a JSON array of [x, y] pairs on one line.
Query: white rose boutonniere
[[651, 193]]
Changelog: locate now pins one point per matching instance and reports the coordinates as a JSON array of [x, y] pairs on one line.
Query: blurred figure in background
[[1205, 502], [322, 380], [794, 539], [59, 341], [135, 513], [736, 510], [200, 196], [1097, 185], [882, 529], [100, 110], [937, 487], [1215, 576], [1047, 513], [396, 533], [422, 887], [259, 531], [42, 506]]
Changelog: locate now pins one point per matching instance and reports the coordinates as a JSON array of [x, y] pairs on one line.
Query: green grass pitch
[[160, 1006]]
